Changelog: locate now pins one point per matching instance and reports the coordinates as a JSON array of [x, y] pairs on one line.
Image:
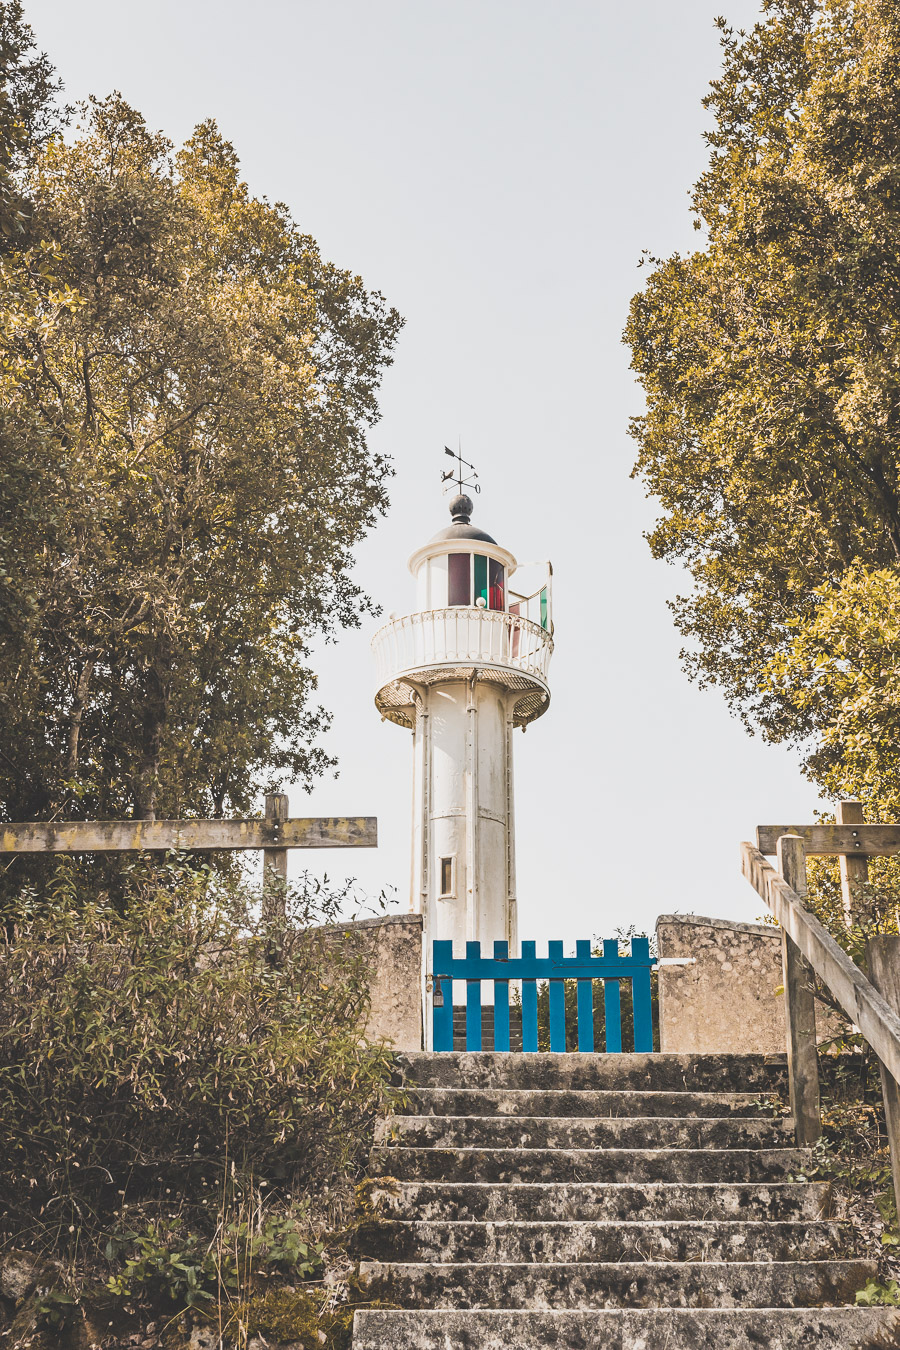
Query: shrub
[[165, 1063]]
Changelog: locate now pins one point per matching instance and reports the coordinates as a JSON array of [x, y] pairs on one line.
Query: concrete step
[[426, 1101], [574, 1072], [612, 1164], [622, 1284], [487, 1027], [583, 1132], [603, 1202], [647, 1329], [574, 1241]]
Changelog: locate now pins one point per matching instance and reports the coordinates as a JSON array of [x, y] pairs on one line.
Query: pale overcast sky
[[495, 167]]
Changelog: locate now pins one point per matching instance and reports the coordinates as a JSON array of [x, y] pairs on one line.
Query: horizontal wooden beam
[[865, 841], [859, 999], [114, 836]]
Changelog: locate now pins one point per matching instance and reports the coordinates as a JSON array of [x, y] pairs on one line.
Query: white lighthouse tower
[[462, 672]]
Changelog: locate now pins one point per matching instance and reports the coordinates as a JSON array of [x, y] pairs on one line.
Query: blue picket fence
[[584, 967]]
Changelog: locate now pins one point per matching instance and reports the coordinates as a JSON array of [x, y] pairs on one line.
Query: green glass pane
[[481, 587], [545, 609]]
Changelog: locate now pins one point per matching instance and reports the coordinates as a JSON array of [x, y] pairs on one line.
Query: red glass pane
[[460, 587], [516, 631], [496, 596]]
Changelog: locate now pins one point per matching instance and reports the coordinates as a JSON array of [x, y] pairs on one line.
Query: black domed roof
[[462, 532], [461, 510]]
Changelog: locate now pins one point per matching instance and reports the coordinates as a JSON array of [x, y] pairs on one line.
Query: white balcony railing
[[460, 636]]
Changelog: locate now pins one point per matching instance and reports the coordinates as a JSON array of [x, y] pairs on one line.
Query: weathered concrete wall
[[393, 947], [725, 1000]]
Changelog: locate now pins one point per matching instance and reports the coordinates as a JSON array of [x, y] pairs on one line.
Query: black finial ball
[[461, 509]]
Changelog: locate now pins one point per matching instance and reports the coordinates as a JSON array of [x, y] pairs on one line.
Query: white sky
[[495, 167]]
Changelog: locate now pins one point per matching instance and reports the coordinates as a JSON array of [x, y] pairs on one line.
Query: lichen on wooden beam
[[114, 836]]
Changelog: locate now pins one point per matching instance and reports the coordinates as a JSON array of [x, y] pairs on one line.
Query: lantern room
[[463, 566], [468, 618]]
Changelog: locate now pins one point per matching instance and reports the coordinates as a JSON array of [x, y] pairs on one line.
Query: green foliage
[[181, 1049], [853, 1147], [880, 1295], [27, 116], [839, 671], [57, 1307], [190, 1271], [887, 1210], [186, 1274], [186, 388], [280, 1242], [180, 1268], [770, 362]]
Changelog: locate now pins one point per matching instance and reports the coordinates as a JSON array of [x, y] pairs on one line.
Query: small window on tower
[[446, 876], [459, 568]]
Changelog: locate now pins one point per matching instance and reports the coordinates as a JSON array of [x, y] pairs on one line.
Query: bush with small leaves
[[181, 1055]]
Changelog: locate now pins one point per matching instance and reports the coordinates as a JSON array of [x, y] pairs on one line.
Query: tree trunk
[[79, 703], [153, 719]]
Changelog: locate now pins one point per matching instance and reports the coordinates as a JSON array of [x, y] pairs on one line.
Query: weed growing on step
[[880, 1295]]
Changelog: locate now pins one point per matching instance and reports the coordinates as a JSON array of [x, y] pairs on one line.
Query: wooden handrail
[[860, 1000]]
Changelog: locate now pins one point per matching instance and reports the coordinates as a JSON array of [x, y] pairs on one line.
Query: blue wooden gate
[[584, 967]]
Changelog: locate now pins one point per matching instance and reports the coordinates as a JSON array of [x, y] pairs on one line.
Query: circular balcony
[[451, 644]]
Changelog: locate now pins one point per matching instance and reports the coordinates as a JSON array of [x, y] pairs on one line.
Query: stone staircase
[[487, 1027], [603, 1202]]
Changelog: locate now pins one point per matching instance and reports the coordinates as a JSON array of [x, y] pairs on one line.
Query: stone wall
[[393, 947], [724, 999]]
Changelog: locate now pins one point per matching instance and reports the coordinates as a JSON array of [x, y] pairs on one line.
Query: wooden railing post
[[854, 871], [883, 954], [799, 1006], [275, 860]]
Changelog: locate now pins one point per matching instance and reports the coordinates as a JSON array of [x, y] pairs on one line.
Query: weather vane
[[458, 475]]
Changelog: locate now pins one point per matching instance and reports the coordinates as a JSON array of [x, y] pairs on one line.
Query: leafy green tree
[[183, 429], [842, 671], [28, 114], [770, 358]]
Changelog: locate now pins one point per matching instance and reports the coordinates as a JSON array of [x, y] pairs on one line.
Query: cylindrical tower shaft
[[464, 832]]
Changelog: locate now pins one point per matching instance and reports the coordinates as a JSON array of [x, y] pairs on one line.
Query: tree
[[28, 115], [843, 673], [771, 364], [183, 434]]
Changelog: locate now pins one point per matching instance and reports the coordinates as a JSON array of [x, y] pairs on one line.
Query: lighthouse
[[462, 672]]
